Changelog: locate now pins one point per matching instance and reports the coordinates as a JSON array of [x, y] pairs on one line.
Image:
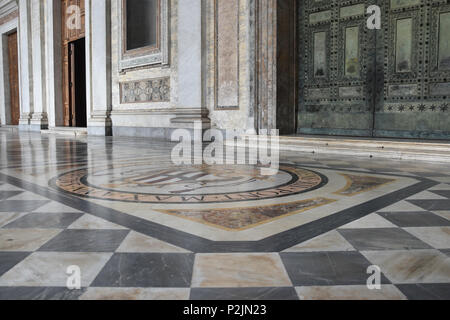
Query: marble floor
[[139, 227]]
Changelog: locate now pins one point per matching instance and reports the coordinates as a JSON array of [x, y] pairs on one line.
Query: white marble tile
[[56, 207], [387, 292], [139, 243], [402, 206], [49, 269], [426, 195], [442, 179], [331, 241], [90, 222], [437, 237], [442, 186], [9, 187], [371, 221], [445, 214], [25, 239], [414, 266], [27, 196], [8, 217], [136, 294], [239, 270]]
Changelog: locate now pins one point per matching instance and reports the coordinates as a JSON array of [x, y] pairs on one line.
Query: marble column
[[39, 118], [53, 54], [98, 65], [25, 64], [191, 107]]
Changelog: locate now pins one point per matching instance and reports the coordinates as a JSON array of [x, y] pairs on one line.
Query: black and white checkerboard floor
[[43, 233], [41, 238]]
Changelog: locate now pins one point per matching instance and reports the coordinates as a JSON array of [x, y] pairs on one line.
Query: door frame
[[76, 90], [5, 97], [13, 59], [267, 74], [68, 37]]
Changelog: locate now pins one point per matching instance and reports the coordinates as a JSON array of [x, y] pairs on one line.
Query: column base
[[24, 122], [100, 125], [187, 118], [38, 122], [193, 120]]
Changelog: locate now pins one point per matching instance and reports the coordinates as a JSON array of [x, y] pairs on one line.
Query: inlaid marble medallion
[[147, 183], [225, 202]]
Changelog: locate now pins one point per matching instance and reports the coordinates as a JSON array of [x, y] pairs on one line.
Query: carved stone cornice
[[8, 10]]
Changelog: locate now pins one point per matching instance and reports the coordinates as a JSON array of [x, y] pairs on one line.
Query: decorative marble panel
[[352, 52], [354, 10], [320, 54], [440, 89], [151, 90], [320, 17], [227, 55], [444, 41], [397, 4], [351, 92], [404, 45], [319, 93], [403, 90]]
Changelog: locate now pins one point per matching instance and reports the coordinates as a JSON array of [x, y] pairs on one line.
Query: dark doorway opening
[[287, 66], [77, 83]]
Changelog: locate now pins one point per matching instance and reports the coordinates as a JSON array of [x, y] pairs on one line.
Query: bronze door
[[413, 62], [393, 82], [336, 68]]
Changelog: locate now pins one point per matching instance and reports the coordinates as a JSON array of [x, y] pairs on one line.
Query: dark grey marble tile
[[243, 294], [438, 174], [415, 219], [327, 268], [49, 220], [446, 251], [21, 206], [439, 291], [86, 241], [443, 193], [39, 293], [145, 270], [10, 259], [8, 194], [382, 239], [432, 205]]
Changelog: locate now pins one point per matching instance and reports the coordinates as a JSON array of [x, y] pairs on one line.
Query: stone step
[[66, 131], [438, 151], [7, 128]]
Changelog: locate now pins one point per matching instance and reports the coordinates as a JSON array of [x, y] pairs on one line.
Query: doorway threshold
[[66, 131], [399, 149]]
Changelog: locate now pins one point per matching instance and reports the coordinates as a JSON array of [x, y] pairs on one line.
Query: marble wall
[[229, 77], [218, 79], [205, 71], [128, 107]]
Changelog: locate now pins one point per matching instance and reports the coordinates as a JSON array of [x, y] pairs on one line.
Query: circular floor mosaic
[[187, 184]]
